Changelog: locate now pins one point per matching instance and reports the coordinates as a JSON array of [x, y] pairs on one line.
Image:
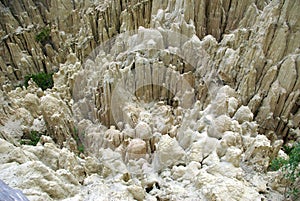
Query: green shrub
[[43, 36], [290, 169], [43, 80], [80, 146], [277, 163], [32, 139]]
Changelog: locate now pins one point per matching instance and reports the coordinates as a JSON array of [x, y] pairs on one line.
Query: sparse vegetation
[[80, 146], [43, 80], [43, 36], [291, 170], [32, 139]]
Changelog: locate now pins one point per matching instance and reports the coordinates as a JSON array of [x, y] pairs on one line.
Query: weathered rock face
[[59, 122], [266, 54], [171, 100]]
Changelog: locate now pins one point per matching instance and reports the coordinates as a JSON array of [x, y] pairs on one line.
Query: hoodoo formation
[[150, 100]]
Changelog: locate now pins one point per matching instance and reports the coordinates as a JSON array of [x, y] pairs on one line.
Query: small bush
[[277, 163], [291, 170], [32, 139], [43, 80], [43, 36], [80, 146]]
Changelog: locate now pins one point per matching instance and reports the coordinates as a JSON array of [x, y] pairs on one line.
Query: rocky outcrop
[[59, 122], [239, 60], [256, 48], [152, 99], [45, 171]]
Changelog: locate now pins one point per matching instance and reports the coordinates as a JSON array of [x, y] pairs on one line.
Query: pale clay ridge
[[210, 137]]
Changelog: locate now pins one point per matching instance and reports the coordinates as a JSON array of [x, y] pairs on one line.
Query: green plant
[[43, 80], [291, 170], [287, 149], [32, 139], [80, 146], [277, 163], [43, 36]]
